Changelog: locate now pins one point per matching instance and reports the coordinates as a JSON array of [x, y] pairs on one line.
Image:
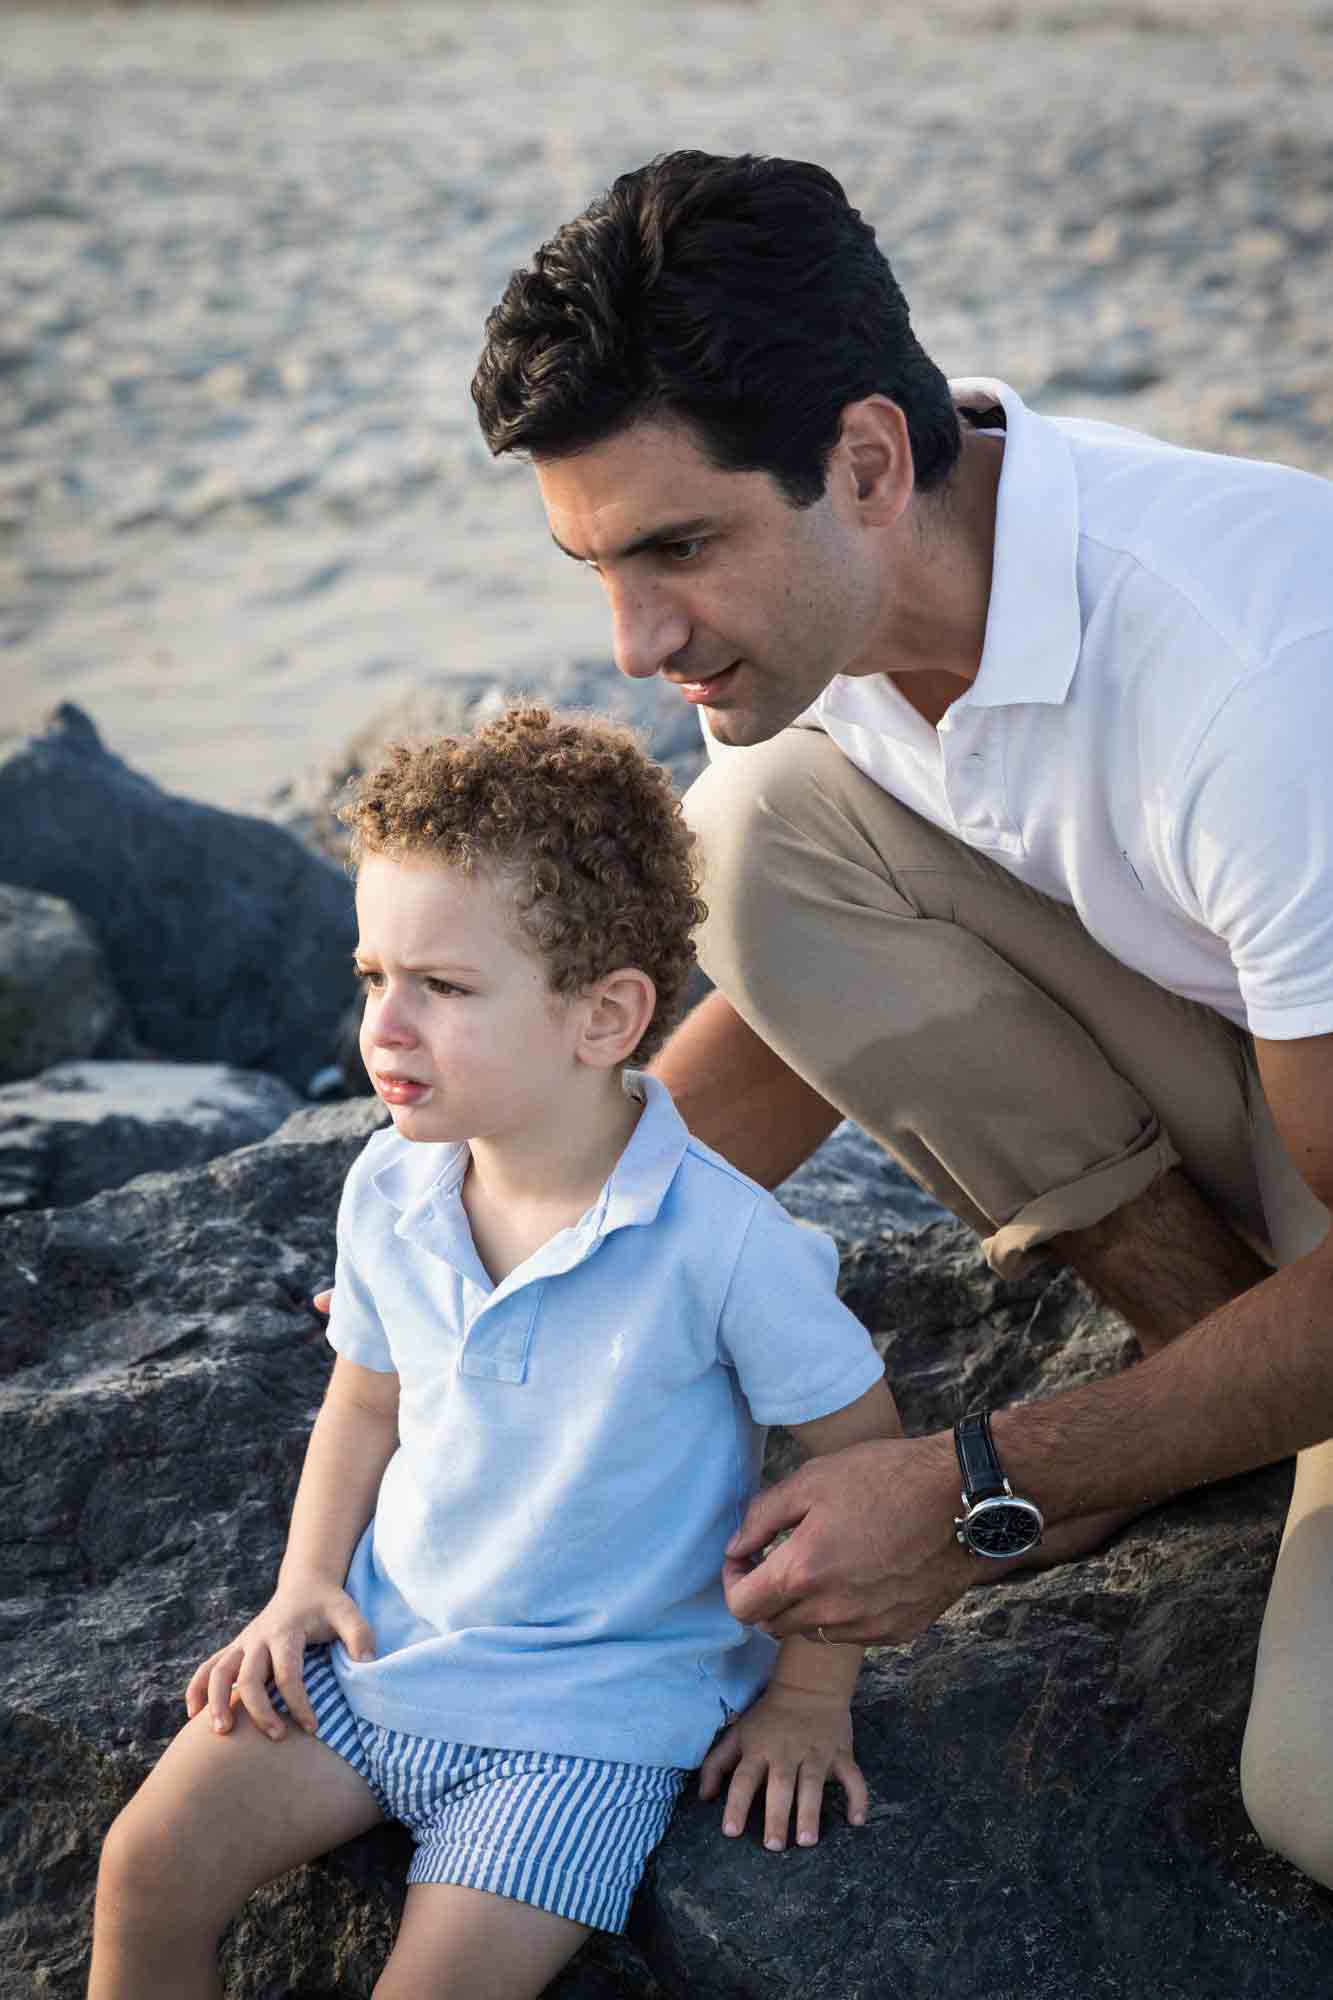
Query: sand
[[246, 253]]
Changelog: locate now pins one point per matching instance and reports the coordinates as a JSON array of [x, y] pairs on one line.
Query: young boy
[[560, 1324]]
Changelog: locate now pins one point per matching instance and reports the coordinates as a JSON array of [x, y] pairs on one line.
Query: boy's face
[[461, 1036]]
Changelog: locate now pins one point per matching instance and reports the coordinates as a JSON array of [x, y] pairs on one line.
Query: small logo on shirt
[[617, 1352]]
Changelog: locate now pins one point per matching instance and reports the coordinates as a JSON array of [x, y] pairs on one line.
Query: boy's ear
[[620, 1006]]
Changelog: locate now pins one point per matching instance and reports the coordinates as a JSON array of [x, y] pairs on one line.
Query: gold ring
[[823, 1635]]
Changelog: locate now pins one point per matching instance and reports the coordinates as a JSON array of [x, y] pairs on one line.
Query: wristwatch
[[996, 1522]]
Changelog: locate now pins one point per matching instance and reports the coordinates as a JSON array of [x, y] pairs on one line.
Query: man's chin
[[741, 728]]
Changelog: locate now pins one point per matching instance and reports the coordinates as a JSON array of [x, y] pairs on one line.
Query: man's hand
[[787, 1745], [873, 1557]]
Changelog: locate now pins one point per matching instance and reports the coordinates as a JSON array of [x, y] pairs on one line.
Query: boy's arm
[[799, 1732], [354, 1437]]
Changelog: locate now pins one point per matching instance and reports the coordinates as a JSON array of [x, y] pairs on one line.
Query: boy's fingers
[[740, 1797], [288, 1673], [354, 1632], [222, 1673], [252, 1691], [777, 1808], [848, 1773], [196, 1694], [323, 1301], [809, 1799], [725, 1753]]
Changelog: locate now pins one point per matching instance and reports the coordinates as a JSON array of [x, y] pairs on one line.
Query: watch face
[[1003, 1527]]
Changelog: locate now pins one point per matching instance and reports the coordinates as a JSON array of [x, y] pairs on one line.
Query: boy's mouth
[[403, 1090]]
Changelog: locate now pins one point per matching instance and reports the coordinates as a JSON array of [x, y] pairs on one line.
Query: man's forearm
[[739, 1097], [1250, 1384]]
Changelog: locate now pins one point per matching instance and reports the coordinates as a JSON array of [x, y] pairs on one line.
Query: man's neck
[[938, 630]]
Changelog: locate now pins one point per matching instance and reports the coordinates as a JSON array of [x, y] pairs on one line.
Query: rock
[[227, 940], [84, 1126], [56, 997], [1053, 1765]]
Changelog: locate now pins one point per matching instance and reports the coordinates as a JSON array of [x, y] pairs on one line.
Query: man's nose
[[648, 627]]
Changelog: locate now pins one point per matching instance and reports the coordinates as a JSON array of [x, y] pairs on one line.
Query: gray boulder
[[56, 997], [1055, 1810], [81, 1127], [226, 938]]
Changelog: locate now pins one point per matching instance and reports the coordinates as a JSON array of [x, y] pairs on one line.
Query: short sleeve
[[1255, 841], [354, 1328], [797, 1351]]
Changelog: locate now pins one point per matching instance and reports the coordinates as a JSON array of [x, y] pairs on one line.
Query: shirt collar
[[1034, 626]]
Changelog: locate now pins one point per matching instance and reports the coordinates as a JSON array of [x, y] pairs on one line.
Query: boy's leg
[[467, 1944], [218, 1816], [1286, 1766]]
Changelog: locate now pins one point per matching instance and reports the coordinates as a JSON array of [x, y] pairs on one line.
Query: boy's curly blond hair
[[571, 812]]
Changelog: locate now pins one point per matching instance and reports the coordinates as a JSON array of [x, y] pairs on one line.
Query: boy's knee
[[1290, 1806], [143, 1871]]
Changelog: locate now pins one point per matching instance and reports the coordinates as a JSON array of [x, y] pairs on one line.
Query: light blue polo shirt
[[577, 1444]]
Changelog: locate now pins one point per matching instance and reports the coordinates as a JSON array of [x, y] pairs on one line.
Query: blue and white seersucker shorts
[[568, 1834]]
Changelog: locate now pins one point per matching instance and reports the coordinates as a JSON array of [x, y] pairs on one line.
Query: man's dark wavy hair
[[744, 297]]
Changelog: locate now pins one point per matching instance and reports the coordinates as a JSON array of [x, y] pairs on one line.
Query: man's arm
[[740, 1098], [874, 1556]]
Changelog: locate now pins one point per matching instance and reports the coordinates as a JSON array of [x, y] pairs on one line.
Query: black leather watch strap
[[978, 1460]]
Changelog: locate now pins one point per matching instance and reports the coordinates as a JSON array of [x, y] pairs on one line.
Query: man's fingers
[[776, 1508]]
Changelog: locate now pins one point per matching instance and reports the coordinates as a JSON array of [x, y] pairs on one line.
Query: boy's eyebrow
[[418, 966], [656, 538]]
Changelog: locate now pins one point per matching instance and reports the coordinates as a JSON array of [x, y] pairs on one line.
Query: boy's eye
[[443, 986], [367, 976]]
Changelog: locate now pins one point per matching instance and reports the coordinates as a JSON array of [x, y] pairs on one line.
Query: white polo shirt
[[1150, 734], [577, 1444]]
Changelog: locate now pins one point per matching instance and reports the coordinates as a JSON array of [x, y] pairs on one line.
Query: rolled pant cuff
[[1016, 1247]]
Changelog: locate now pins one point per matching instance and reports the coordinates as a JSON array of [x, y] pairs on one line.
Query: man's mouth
[[704, 693]]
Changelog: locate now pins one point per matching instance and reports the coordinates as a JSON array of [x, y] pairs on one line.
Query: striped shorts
[[568, 1834]]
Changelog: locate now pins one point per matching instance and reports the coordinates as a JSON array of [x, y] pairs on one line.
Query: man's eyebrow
[[656, 538]]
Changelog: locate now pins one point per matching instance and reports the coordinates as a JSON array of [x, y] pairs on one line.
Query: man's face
[[747, 604]]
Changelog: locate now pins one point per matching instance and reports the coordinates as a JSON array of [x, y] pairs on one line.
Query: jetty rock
[[1053, 1765], [225, 937]]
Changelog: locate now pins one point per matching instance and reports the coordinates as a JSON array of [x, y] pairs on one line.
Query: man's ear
[[875, 450], [620, 1005]]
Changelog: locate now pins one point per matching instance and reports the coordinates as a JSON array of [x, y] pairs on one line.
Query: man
[[1019, 851]]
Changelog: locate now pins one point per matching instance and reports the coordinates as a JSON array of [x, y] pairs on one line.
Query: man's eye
[[686, 551]]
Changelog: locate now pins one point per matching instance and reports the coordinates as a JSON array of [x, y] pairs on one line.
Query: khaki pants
[[1031, 1083]]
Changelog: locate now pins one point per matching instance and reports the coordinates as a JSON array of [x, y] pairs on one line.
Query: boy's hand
[[272, 1648], [790, 1741]]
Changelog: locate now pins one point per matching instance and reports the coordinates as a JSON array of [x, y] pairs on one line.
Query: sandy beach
[[246, 253]]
